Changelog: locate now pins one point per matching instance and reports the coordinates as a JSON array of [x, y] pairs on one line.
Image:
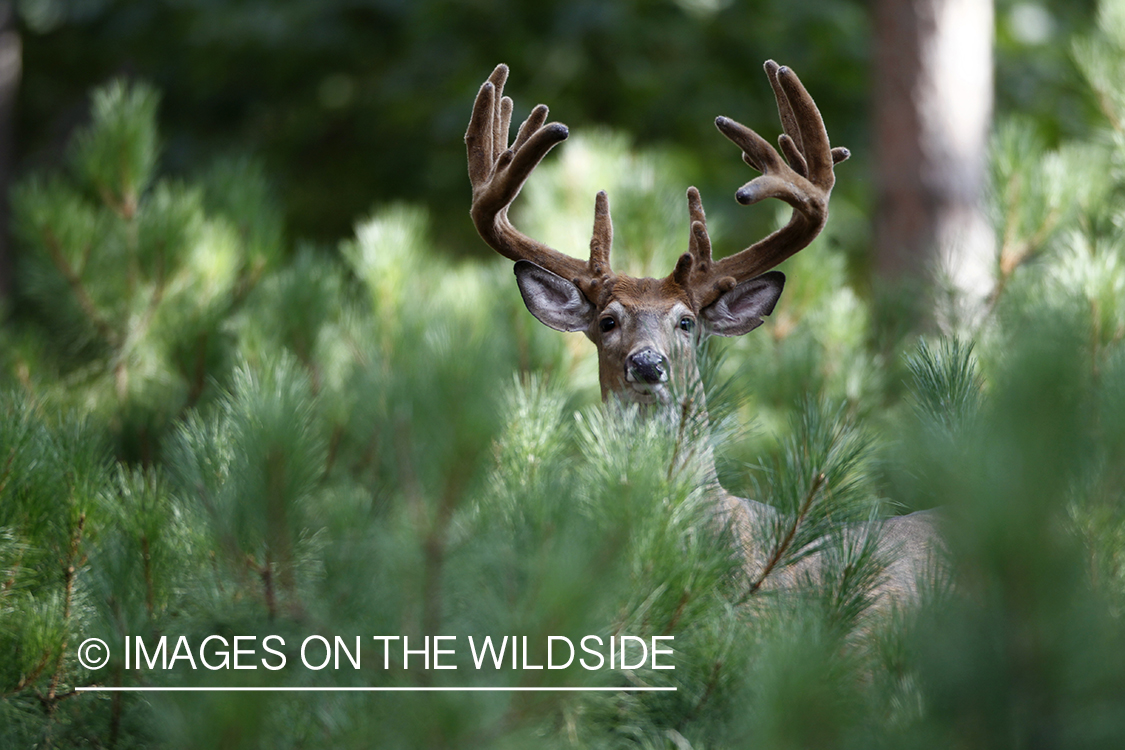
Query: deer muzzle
[[646, 366]]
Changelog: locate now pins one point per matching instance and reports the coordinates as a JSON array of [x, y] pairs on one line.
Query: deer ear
[[741, 309], [556, 302]]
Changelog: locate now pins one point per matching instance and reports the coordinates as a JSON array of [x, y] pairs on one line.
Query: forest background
[[262, 377]]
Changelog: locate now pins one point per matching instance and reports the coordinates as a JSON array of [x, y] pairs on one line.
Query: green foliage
[[1036, 75], [1029, 610], [348, 100], [116, 157], [819, 479], [204, 435], [647, 198], [131, 279], [946, 385], [1037, 196]]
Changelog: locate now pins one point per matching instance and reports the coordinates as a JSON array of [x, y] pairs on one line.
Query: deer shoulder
[[647, 330]]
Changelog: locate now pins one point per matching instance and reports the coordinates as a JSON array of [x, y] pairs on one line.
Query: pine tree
[[130, 279], [206, 433]]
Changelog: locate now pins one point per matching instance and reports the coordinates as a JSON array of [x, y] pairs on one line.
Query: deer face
[[647, 331]]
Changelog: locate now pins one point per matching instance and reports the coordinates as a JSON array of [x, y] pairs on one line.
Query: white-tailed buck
[[647, 330]]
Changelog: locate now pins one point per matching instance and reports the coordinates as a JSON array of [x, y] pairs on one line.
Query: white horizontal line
[[96, 688]]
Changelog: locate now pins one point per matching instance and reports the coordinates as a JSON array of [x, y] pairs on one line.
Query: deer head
[[647, 330]]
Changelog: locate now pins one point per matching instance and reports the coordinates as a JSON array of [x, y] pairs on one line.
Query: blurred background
[[353, 103], [258, 375]]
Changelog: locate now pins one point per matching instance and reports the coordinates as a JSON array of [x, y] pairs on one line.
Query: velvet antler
[[498, 171], [804, 182]]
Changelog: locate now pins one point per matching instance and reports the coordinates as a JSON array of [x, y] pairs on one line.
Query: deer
[[647, 331]]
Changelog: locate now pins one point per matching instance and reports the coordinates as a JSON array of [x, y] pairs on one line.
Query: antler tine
[[499, 134], [497, 174], [602, 242], [699, 243], [805, 183], [790, 140], [599, 274], [697, 260]]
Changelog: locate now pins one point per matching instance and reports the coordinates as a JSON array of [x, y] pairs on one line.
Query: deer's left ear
[[741, 309], [556, 302]]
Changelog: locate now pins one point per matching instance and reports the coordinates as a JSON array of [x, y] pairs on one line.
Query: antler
[[497, 173], [805, 183]]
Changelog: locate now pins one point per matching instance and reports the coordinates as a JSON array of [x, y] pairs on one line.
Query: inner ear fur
[[741, 309], [553, 300]]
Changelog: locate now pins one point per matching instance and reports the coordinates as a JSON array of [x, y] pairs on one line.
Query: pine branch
[[120, 368], [11, 580], [199, 373], [678, 613], [146, 557], [684, 410], [266, 574], [279, 546], [712, 683], [52, 244], [52, 701], [69, 573], [435, 546], [156, 298], [7, 470], [1011, 259], [30, 677], [783, 547], [126, 208], [115, 716], [333, 448]]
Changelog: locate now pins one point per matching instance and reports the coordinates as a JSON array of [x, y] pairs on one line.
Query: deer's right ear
[[556, 302]]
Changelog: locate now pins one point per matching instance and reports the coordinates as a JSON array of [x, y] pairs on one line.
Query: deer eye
[[607, 324], [687, 324]]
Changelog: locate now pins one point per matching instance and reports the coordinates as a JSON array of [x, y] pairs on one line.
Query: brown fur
[[648, 315], [911, 547], [647, 312], [649, 294]]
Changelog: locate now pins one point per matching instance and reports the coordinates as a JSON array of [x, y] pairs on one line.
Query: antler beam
[[498, 171], [804, 180]]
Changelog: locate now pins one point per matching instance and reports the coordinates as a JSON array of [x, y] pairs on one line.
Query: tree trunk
[[933, 108], [11, 65]]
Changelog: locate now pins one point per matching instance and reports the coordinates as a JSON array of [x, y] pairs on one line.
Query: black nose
[[648, 366]]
